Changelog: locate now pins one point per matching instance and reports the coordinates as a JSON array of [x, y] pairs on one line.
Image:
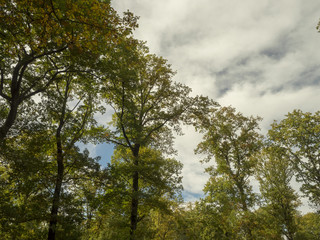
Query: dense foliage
[[64, 65]]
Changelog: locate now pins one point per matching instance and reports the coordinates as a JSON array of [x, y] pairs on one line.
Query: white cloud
[[271, 106], [194, 177]]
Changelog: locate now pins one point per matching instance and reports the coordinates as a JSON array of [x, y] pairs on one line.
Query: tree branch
[[44, 87], [2, 94]]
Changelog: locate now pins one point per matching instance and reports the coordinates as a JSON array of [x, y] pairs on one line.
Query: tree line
[[63, 65]]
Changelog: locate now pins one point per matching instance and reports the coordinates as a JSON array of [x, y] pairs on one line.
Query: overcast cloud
[[261, 57]]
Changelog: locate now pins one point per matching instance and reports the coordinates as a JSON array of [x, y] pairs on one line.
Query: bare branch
[[117, 143], [44, 87]]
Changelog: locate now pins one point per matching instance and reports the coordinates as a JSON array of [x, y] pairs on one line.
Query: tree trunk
[[135, 191], [4, 129], [134, 204], [57, 191], [14, 100]]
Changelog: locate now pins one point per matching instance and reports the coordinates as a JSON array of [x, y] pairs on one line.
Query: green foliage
[[42, 41], [266, 226], [181, 223], [31, 157], [299, 134], [159, 176], [147, 105], [159, 187], [145, 99], [309, 227], [280, 201], [27, 181], [232, 139]]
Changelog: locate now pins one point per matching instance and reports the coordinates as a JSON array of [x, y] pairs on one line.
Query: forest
[[64, 65]]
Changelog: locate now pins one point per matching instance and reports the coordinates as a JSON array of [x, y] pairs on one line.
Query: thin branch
[[79, 132], [77, 103], [25, 91], [44, 87], [54, 13], [117, 143], [156, 128], [48, 53]]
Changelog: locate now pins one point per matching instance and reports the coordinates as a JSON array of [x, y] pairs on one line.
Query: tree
[[280, 202], [159, 187], [299, 134], [146, 102], [45, 47], [309, 227], [45, 144], [24, 188], [232, 139], [219, 210], [27, 185], [70, 109], [37, 35], [183, 222]]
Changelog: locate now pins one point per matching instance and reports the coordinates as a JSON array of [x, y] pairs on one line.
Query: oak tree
[[231, 139], [299, 134], [146, 104], [280, 201]]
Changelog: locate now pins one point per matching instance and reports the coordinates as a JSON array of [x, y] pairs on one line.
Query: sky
[[261, 57]]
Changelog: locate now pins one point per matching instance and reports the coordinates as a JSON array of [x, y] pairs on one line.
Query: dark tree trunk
[[57, 191], [17, 95], [134, 204], [135, 192], [4, 129], [60, 171], [14, 99]]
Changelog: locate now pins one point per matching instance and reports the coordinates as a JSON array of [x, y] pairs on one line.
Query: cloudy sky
[[262, 57]]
